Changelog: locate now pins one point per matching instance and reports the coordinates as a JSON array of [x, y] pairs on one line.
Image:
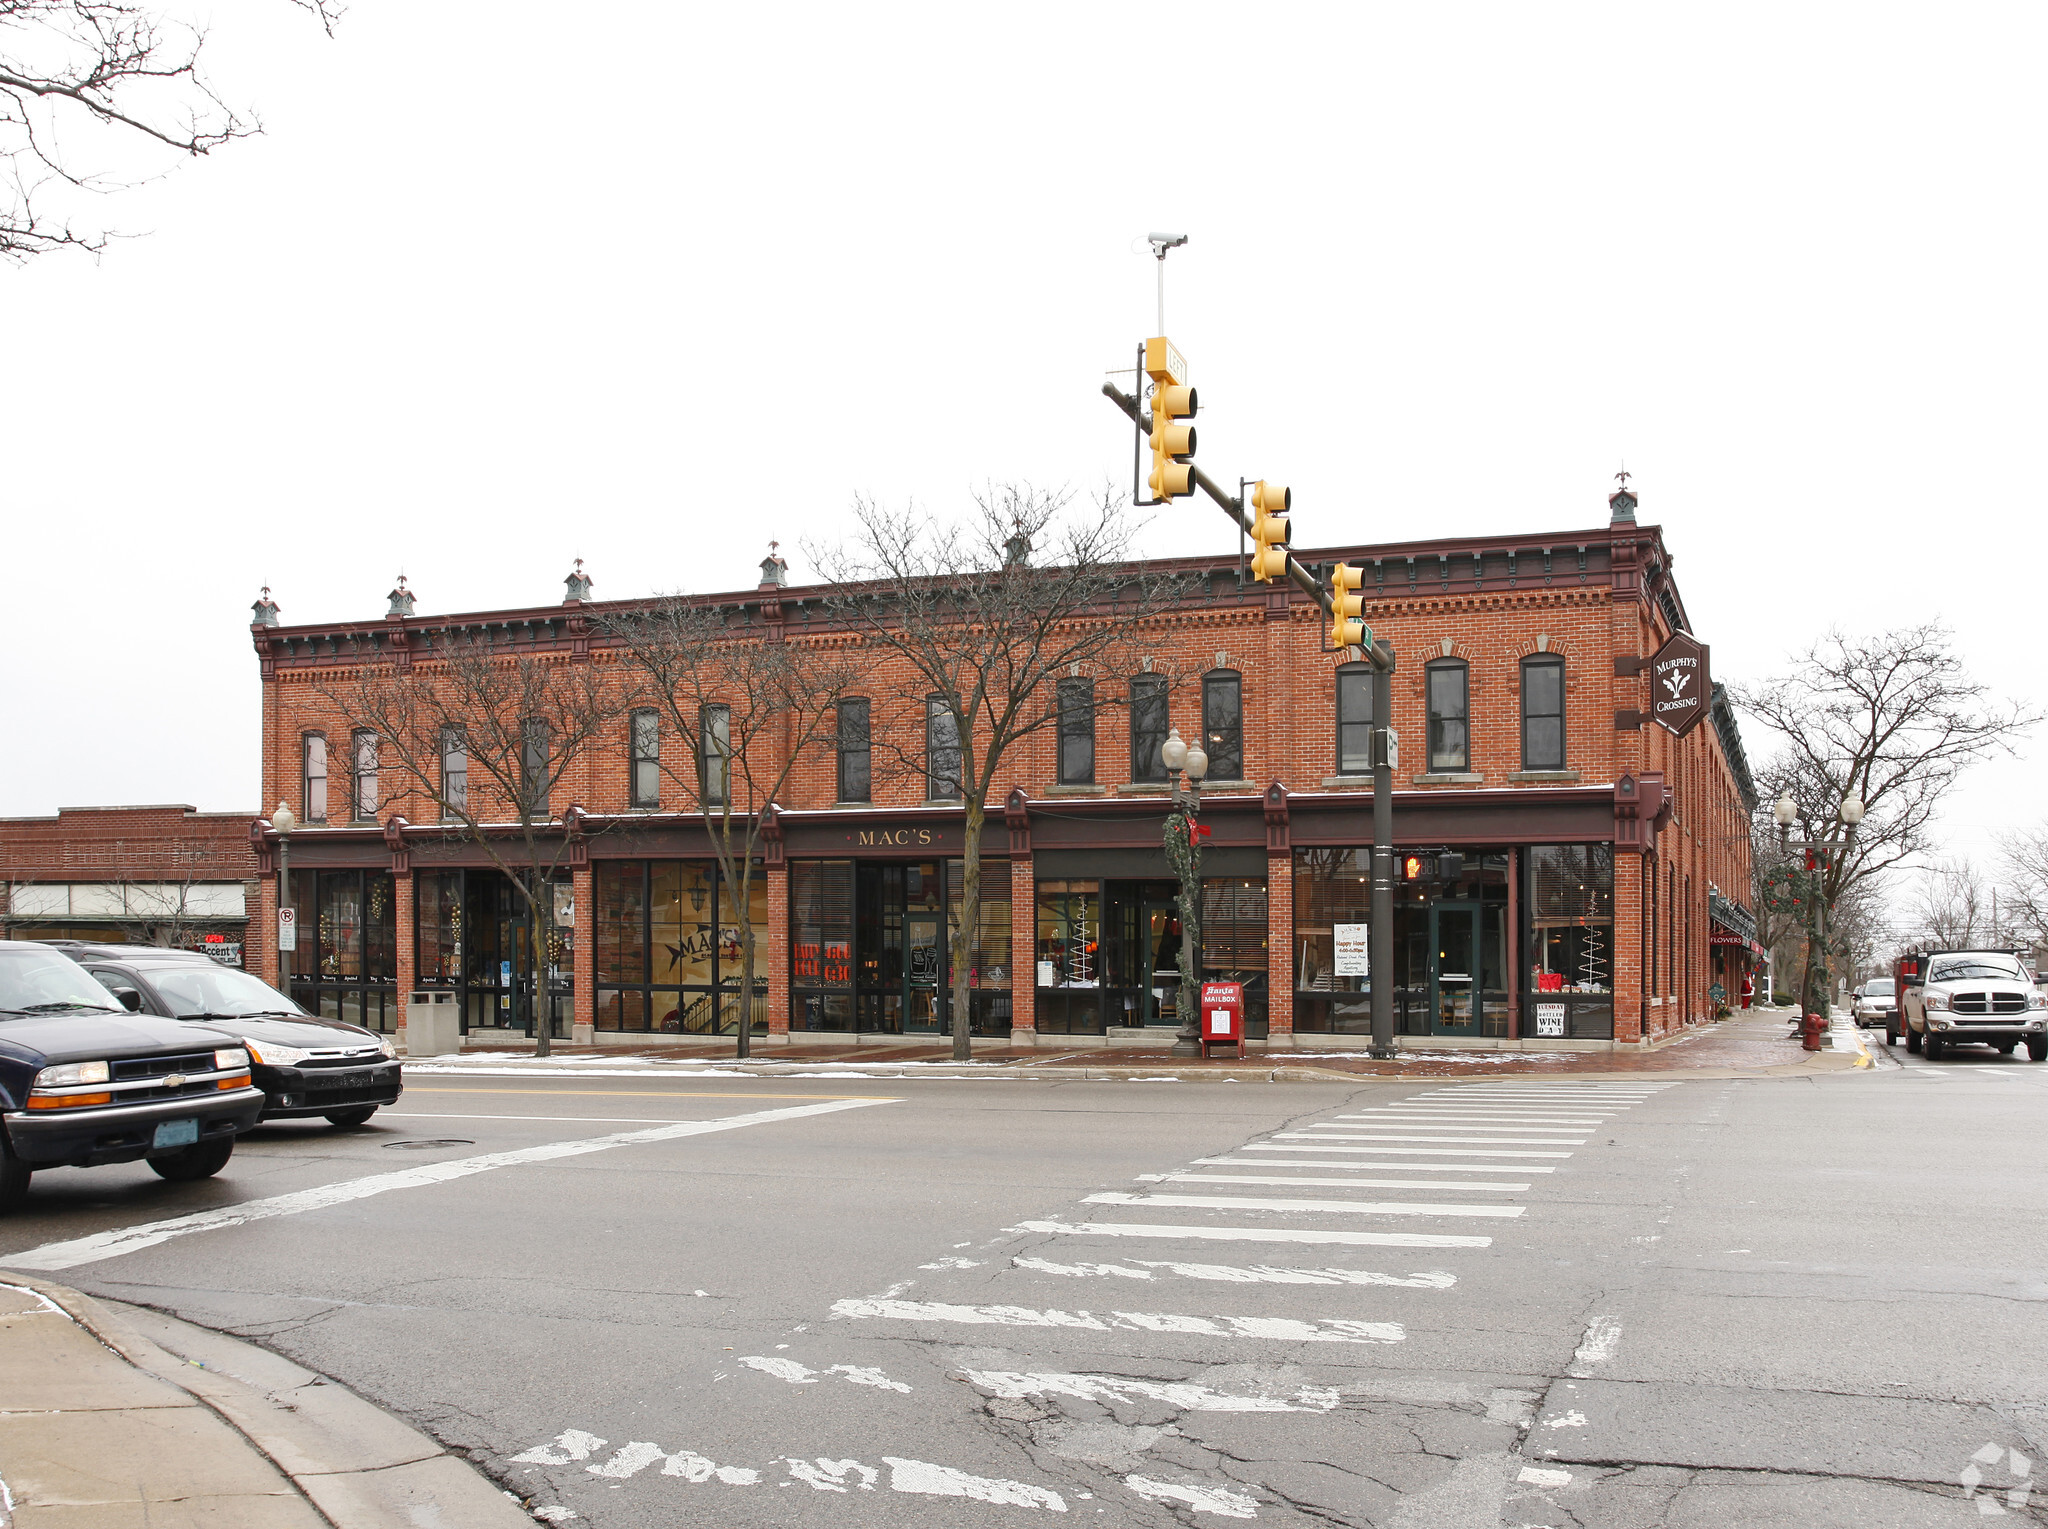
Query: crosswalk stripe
[[1471, 1141], [1421, 1112], [1249, 1162], [1319, 1330], [1433, 1123], [1253, 1234], [1353, 1207], [1400, 1151], [1464, 1185], [1231, 1274]]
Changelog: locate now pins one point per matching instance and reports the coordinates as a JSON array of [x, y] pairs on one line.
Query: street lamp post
[[284, 821], [1184, 854], [1813, 996]]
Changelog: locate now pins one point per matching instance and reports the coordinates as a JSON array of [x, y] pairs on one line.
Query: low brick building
[[161, 875], [1592, 842]]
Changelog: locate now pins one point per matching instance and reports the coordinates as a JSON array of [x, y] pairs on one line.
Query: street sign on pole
[[287, 928]]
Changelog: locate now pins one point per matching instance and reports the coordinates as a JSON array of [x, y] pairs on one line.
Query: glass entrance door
[[1159, 944], [1454, 971]]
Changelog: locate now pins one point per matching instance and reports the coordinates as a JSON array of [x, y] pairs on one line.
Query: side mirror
[[130, 1000]]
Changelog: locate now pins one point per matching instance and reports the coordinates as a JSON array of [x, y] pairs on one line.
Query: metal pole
[[1380, 938], [1161, 330], [284, 900], [1188, 1040]]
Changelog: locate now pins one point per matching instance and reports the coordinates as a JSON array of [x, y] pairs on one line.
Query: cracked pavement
[[1796, 1301]]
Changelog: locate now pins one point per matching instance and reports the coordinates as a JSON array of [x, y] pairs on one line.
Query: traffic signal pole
[[1380, 655]]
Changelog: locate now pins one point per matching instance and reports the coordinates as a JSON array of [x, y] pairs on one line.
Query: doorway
[[1159, 943], [1454, 969]]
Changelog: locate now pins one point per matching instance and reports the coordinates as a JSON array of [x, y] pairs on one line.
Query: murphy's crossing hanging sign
[[1679, 685]]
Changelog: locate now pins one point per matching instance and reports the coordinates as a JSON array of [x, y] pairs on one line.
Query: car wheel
[[348, 1119], [1912, 1039], [14, 1176], [2004, 1048], [2037, 1050], [1933, 1045], [200, 1162]]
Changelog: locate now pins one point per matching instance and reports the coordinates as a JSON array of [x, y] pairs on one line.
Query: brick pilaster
[[583, 953], [407, 941], [1280, 945], [1023, 951], [777, 954]]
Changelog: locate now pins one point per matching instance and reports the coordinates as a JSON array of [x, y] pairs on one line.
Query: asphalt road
[[1630, 1302]]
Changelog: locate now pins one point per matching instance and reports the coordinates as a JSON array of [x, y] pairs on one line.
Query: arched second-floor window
[[1223, 723], [1449, 685], [1354, 719], [1543, 713], [941, 750]]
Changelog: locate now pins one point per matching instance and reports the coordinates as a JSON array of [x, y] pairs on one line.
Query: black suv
[[84, 1082], [304, 1064]]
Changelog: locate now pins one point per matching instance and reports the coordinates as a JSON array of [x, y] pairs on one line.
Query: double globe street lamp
[[1184, 855], [284, 821], [1813, 997]]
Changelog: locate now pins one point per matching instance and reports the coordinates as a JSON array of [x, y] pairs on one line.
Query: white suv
[[1973, 995]]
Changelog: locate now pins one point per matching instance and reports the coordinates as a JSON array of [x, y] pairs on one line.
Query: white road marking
[[1483, 1112], [1119, 1389], [1603, 1337], [1397, 1151], [1537, 1476], [803, 1375], [1295, 1162], [1220, 1501], [1464, 1185], [1449, 1141], [113, 1244], [563, 1449], [631, 1459], [580, 1120], [1321, 1330], [1258, 1274], [1252, 1234], [833, 1475], [1357, 1207], [944, 1481]]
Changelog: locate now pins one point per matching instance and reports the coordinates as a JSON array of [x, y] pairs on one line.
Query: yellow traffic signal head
[[1174, 401], [1271, 498], [1171, 479], [1176, 441], [1346, 607], [1271, 529]]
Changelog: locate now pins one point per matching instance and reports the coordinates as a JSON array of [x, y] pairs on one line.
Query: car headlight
[[1937, 1000], [389, 1047], [231, 1059], [270, 1054], [2038, 1001], [66, 1074]]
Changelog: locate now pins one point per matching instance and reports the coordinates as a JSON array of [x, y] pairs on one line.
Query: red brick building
[[132, 875], [1599, 851]]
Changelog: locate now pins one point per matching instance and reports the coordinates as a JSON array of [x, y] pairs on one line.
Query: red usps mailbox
[[1222, 1017]]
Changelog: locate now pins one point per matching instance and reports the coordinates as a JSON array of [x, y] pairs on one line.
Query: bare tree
[[79, 76], [744, 707], [1893, 720], [988, 614], [1950, 906], [2024, 857], [485, 740]]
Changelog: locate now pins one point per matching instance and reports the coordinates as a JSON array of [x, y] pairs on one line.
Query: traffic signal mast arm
[[1379, 654]]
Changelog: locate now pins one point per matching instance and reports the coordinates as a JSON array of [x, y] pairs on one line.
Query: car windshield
[[1880, 987], [47, 982], [1977, 968], [219, 991]]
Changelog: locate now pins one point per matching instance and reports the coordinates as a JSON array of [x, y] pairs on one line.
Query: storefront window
[[1234, 941], [1332, 912], [1069, 957], [669, 948], [821, 944], [1569, 957], [351, 973]]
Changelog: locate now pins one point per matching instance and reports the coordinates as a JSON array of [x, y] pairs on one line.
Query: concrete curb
[[357, 1466], [1817, 1062]]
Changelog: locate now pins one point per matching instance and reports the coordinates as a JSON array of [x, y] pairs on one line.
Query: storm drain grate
[[424, 1144]]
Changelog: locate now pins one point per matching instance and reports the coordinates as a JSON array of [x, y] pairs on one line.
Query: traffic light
[[1346, 607], [1173, 443], [1414, 867], [1271, 529]]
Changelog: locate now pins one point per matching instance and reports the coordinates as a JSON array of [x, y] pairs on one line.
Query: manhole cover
[[437, 1141]]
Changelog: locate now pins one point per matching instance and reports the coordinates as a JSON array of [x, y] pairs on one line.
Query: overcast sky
[[648, 284]]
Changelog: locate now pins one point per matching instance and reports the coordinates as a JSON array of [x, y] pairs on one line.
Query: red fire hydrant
[[1811, 1032]]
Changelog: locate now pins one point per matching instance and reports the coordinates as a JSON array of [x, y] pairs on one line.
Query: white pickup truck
[[1948, 997]]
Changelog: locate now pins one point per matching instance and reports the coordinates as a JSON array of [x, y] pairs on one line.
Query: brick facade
[[1601, 600]]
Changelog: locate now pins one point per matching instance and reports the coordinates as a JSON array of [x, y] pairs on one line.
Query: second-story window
[[1148, 726], [1223, 723], [855, 780], [1543, 714], [1354, 719], [1077, 732], [941, 750], [363, 776], [313, 797], [536, 750], [646, 783], [454, 772], [1450, 744], [714, 728]]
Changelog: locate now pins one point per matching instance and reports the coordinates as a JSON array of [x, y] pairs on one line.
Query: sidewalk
[[1752, 1045], [114, 1417]]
